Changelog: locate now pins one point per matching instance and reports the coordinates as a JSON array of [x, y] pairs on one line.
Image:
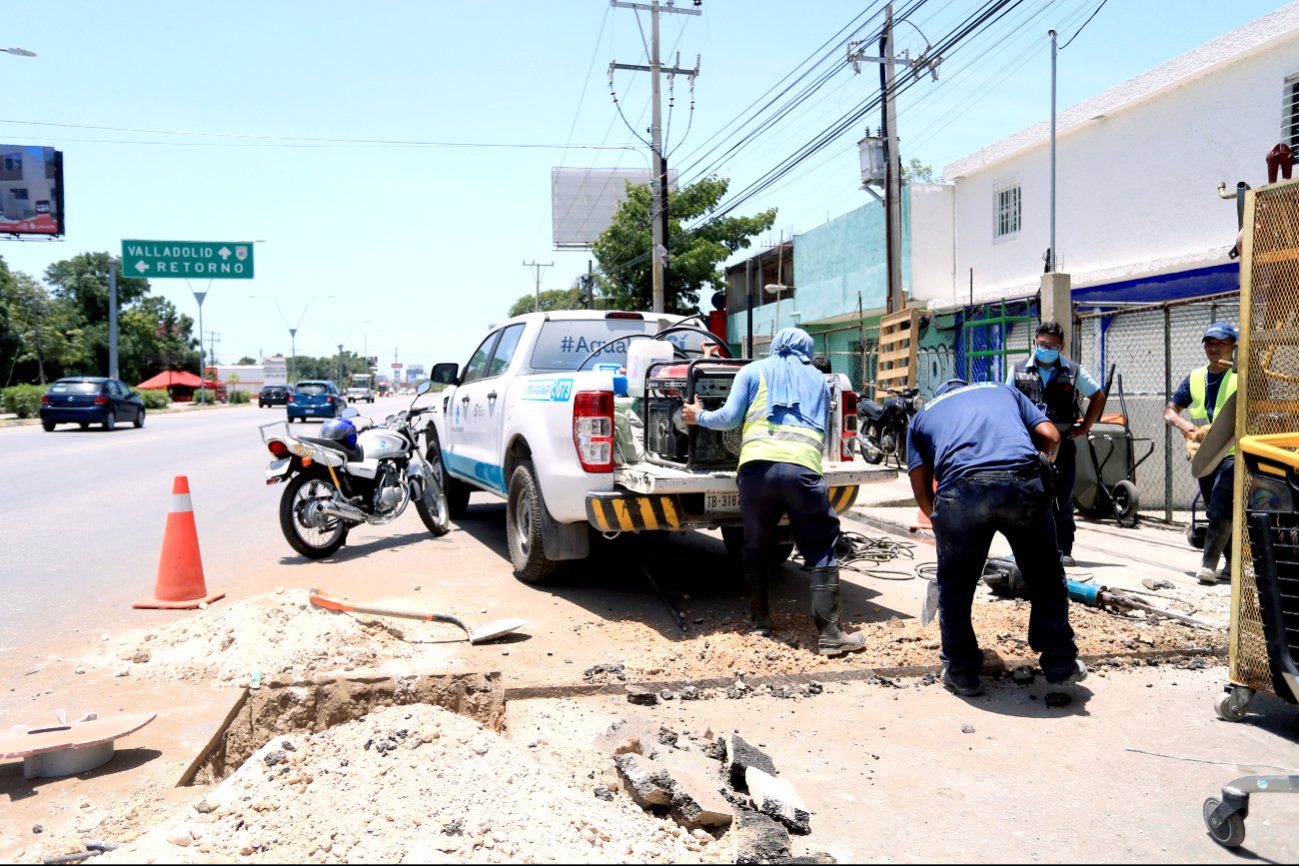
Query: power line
[[1084, 25]]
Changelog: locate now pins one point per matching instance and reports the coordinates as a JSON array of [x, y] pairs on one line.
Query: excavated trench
[[282, 708]]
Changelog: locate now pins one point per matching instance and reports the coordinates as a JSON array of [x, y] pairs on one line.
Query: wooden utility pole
[[537, 266], [659, 169]]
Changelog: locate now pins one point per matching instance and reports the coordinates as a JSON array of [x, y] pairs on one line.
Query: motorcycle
[[369, 476], [882, 428]]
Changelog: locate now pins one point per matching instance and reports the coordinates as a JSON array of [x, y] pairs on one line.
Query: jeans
[[770, 490], [966, 515], [1216, 490], [1066, 467]]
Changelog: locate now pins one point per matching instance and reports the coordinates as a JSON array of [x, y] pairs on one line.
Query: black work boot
[[758, 571], [1216, 539], [825, 605]]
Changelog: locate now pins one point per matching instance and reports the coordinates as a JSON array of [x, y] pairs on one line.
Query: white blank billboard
[[583, 200]]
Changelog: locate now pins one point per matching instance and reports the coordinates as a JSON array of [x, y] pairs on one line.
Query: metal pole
[[1168, 431], [1050, 250], [293, 356], [658, 242], [112, 319], [340, 366], [748, 305]]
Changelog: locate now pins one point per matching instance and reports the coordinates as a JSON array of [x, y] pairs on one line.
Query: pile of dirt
[[1002, 627], [279, 634], [413, 784]]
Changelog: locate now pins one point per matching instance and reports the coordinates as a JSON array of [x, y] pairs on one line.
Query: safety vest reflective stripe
[[779, 443]]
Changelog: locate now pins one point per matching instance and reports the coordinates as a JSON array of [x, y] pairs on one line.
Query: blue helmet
[[340, 430]]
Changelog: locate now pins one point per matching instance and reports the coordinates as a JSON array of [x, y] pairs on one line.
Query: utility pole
[[893, 170], [537, 266], [892, 155], [212, 339], [659, 169], [112, 318]]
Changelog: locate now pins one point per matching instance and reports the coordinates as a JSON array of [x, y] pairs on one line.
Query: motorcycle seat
[[353, 455], [870, 409]]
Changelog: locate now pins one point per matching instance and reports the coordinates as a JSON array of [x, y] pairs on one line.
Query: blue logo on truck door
[[549, 390]]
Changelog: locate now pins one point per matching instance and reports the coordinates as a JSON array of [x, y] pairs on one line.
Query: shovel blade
[[490, 631], [930, 606]]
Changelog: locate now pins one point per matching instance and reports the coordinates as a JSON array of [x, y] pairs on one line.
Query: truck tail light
[[593, 430], [849, 415]]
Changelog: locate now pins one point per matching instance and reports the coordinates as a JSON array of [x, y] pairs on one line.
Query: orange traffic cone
[[180, 583]]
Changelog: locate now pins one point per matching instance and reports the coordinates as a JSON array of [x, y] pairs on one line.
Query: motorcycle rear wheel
[[314, 542]]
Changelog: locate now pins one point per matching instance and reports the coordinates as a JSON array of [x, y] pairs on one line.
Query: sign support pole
[[112, 317]]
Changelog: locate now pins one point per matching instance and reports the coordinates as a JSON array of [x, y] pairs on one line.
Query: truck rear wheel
[[524, 511]]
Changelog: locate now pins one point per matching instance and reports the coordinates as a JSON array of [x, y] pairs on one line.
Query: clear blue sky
[[224, 121]]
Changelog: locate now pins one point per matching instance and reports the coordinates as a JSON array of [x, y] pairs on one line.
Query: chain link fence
[[1150, 348]]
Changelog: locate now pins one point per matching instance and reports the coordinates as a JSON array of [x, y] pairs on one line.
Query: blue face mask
[[1046, 356]]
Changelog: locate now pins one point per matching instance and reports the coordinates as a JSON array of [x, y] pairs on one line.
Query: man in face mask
[[1054, 384], [782, 402]]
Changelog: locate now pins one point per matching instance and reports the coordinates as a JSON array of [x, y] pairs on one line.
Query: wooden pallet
[[896, 358]]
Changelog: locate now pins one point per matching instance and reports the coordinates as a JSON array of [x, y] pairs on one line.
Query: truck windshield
[[563, 343]]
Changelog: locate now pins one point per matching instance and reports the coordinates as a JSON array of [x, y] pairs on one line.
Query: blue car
[[87, 400], [314, 399]]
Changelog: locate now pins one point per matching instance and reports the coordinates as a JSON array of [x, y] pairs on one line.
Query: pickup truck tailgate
[[650, 478]]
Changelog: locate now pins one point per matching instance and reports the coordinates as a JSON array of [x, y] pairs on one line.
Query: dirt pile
[[414, 784], [279, 634]]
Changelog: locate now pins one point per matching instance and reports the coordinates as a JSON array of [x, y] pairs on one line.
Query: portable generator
[[668, 439]]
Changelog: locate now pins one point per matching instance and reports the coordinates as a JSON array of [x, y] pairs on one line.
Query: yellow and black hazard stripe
[[617, 512], [842, 498]]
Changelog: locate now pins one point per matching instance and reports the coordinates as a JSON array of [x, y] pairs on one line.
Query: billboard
[[31, 190], [583, 200]]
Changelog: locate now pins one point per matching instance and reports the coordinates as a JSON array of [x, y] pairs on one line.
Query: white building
[[1138, 214]]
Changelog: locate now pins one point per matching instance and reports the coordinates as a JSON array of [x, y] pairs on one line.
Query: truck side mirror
[[445, 374]]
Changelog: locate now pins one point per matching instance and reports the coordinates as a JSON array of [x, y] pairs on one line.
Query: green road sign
[[212, 260]]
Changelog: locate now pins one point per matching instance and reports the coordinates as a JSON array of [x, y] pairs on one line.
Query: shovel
[[479, 634]]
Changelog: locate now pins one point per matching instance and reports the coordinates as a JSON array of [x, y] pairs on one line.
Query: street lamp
[[341, 372], [21, 52], [293, 331]]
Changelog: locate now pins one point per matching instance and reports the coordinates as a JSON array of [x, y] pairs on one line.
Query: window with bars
[[1290, 112], [1006, 198]]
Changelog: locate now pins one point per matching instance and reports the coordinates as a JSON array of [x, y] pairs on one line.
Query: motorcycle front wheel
[[432, 506], [307, 531]]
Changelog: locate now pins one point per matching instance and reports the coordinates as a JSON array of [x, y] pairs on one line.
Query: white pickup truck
[[361, 388], [537, 417]]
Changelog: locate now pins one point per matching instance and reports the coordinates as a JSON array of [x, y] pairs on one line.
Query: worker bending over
[[783, 402], [982, 443]]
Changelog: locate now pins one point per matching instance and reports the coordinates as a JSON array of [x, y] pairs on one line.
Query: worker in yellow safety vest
[[782, 402], [1204, 392]]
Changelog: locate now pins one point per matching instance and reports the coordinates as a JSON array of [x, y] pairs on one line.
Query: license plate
[[277, 470], [722, 503]]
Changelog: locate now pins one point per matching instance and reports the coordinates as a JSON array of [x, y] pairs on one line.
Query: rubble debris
[[1022, 675], [816, 857], [740, 756], [778, 799], [967, 729], [756, 838], [1157, 583], [697, 801], [644, 780], [641, 697], [1058, 699], [617, 672]]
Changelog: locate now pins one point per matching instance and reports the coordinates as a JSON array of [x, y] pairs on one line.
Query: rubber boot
[[1216, 539], [825, 605], [758, 572]]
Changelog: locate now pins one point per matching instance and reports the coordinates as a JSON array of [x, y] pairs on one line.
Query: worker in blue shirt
[[982, 443], [1054, 384], [1204, 392], [783, 403]]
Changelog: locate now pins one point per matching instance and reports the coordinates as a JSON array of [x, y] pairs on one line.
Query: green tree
[[83, 281], [49, 331], [623, 249], [551, 299], [916, 171], [152, 337], [244, 361]]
